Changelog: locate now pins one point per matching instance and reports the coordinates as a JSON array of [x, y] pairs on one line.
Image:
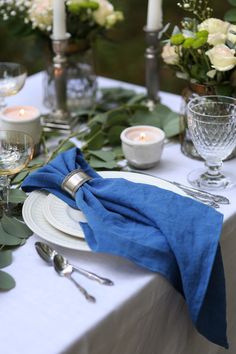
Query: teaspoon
[[64, 269], [47, 254]]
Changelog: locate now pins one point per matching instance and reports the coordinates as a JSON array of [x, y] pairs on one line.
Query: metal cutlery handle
[[204, 200], [93, 276], [88, 297], [216, 198]]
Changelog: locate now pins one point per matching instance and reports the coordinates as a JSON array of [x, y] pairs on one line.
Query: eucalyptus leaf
[[5, 258], [100, 118], [114, 134], [97, 142], [171, 125], [103, 155], [15, 227], [145, 118], [66, 146], [138, 98], [19, 177], [6, 281], [117, 150], [99, 164], [17, 196], [8, 240], [117, 118], [162, 110]]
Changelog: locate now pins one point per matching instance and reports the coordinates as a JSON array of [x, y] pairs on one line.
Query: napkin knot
[[74, 180]]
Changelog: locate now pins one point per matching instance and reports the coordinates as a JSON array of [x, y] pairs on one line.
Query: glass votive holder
[[142, 145], [25, 119]]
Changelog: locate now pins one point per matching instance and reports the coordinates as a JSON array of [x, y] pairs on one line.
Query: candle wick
[[142, 136], [21, 112]]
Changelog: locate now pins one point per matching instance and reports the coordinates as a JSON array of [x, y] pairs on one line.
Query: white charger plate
[[52, 228]]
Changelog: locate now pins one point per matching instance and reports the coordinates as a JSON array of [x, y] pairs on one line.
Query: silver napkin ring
[[74, 180]]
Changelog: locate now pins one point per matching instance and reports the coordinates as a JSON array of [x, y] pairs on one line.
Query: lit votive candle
[[25, 119], [142, 145]]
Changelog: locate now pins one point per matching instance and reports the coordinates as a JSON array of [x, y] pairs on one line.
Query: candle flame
[[21, 112], [142, 137]]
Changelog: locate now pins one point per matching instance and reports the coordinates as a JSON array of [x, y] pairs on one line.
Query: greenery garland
[[99, 135]]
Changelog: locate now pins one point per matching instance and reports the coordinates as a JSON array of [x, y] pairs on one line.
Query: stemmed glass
[[16, 150], [212, 124], [12, 79]]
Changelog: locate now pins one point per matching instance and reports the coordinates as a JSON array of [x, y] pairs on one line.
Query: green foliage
[[13, 233]]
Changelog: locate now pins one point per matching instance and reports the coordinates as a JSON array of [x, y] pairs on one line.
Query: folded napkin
[[155, 228]]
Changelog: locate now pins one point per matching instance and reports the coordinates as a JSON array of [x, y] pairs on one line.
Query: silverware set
[[205, 197], [213, 200], [65, 269]]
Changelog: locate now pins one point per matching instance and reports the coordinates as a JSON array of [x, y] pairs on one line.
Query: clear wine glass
[[12, 79], [212, 124], [16, 150]]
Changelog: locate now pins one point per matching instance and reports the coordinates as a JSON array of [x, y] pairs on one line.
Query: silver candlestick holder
[[152, 68], [60, 118]]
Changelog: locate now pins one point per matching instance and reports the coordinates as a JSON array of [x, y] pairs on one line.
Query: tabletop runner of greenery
[[99, 133]]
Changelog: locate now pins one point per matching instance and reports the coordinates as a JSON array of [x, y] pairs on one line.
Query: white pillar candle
[[59, 20], [154, 15], [22, 118], [142, 145]]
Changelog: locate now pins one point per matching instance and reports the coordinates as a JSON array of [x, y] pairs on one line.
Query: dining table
[[142, 313]]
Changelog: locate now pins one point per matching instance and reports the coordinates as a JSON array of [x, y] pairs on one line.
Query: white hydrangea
[[105, 10], [40, 14]]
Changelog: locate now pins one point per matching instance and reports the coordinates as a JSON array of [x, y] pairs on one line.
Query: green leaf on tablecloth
[[138, 98], [6, 281], [171, 124], [97, 141], [100, 118], [99, 164], [107, 155], [17, 196], [15, 227], [5, 258], [161, 110], [117, 150], [145, 118], [68, 145], [7, 239], [117, 95], [114, 134], [117, 118], [19, 177]]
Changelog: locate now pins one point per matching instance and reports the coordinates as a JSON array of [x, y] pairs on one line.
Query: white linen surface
[[141, 314]]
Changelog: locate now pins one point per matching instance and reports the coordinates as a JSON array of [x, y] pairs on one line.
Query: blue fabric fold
[[155, 228]]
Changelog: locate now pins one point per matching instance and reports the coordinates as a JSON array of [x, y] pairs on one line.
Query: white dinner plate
[[54, 230], [61, 216]]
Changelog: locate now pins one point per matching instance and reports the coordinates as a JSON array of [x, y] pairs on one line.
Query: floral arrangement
[[202, 49], [85, 18]]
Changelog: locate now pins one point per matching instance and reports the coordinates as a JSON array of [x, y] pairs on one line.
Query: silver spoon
[[64, 269], [47, 254]]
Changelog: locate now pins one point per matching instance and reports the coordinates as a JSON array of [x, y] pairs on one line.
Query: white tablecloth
[[141, 314]]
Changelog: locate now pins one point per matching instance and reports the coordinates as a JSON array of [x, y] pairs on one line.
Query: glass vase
[[81, 82]]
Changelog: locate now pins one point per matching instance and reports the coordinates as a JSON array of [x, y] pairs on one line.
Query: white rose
[[214, 25], [105, 9], [169, 54], [216, 38], [231, 35], [222, 58], [40, 14]]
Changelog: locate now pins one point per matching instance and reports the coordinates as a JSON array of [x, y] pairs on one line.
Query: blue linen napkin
[[155, 228]]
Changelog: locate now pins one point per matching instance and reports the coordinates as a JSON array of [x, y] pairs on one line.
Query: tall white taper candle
[[59, 19], [154, 15]]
